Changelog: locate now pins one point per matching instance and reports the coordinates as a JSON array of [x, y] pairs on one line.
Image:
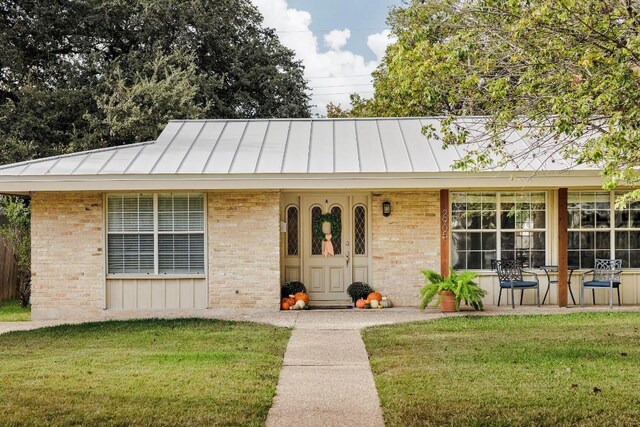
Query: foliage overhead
[[96, 73], [561, 70]]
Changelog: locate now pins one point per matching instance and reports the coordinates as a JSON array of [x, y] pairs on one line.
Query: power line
[[336, 77], [342, 93], [326, 87], [311, 30]]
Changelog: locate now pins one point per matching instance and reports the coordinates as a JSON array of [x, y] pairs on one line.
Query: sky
[[340, 42]]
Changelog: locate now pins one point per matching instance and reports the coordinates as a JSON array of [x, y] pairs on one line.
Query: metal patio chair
[[606, 275], [510, 276]]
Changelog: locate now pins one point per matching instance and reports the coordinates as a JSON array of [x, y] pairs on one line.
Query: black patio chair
[[606, 275], [510, 275]]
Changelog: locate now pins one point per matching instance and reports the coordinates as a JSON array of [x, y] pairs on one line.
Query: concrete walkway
[[326, 381]]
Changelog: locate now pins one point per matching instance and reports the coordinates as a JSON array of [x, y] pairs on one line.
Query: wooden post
[[444, 232], [563, 247]]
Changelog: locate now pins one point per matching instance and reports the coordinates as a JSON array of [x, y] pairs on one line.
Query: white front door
[[327, 277]]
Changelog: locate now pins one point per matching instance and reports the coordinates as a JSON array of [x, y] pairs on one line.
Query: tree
[[16, 234], [566, 71], [71, 70]]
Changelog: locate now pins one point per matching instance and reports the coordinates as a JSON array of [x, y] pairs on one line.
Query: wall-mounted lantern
[[386, 208]]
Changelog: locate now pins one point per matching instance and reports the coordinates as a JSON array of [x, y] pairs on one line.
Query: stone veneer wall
[[67, 254], [244, 249], [404, 243]]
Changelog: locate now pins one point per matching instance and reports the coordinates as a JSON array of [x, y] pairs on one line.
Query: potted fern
[[451, 290]]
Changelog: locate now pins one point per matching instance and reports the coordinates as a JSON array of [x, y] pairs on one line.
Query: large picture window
[[598, 230], [155, 233], [483, 222]]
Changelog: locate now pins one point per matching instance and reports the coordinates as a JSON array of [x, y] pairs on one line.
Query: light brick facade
[[244, 249], [67, 254], [404, 243]]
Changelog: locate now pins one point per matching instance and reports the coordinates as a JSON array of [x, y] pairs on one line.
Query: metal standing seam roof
[[278, 146]]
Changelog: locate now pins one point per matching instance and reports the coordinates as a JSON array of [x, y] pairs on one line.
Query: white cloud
[[378, 42], [337, 39], [333, 74]]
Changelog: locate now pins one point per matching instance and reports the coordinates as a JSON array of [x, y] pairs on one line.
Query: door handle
[[347, 256]]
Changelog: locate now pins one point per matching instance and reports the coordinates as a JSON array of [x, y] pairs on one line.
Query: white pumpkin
[[386, 303], [373, 303], [299, 304]]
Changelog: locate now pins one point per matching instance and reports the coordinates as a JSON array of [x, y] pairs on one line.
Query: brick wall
[[244, 249], [67, 253], [404, 243]]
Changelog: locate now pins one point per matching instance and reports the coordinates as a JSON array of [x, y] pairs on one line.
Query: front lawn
[[151, 372], [581, 369], [12, 311]]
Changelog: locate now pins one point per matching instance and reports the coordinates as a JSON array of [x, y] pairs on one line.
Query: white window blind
[[181, 233], [133, 233], [130, 233]]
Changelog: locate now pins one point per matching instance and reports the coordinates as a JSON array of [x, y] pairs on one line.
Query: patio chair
[[510, 277], [606, 275]]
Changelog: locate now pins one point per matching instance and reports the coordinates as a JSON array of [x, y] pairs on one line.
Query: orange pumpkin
[[289, 301], [360, 303], [301, 296], [375, 295], [285, 305]]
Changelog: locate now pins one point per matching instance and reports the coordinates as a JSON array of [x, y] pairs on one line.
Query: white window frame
[[612, 226], [156, 233], [498, 230]]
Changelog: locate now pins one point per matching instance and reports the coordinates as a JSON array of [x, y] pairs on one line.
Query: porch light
[[386, 208]]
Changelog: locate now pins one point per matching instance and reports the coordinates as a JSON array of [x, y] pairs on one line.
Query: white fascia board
[[452, 180]]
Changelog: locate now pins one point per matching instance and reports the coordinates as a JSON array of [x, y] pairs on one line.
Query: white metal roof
[[269, 149]]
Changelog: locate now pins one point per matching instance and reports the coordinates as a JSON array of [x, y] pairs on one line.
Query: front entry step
[[337, 304]]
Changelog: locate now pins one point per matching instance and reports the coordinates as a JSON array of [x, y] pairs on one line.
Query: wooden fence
[[8, 273]]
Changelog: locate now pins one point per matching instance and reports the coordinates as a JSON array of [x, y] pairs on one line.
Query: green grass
[[581, 369], [12, 311], [152, 372]]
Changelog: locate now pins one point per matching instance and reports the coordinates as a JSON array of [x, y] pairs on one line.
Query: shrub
[[291, 288], [358, 290]]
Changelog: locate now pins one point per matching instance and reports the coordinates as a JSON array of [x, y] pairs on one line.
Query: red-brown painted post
[[445, 216], [563, 247]]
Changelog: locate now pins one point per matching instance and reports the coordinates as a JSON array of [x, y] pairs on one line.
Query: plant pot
[[447, 302]]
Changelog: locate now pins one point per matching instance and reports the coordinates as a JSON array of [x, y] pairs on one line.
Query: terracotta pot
[[447, 302]]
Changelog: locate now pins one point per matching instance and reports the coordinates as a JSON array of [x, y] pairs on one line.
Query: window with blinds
[[155, 233]]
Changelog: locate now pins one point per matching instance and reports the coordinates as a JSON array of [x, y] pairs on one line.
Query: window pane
[[538, 219], [574, 258], [603, 240], [360, 230], [180, 212], [587, 259], [622, 240], [316, 243], [181, 253], [508, 219], [130, 253], [537, 259], [475, 241], [474, 260], [292, 231], [622, 219], [602, 219], [337, 243], [473, 220], [130, 212], [489, 220]]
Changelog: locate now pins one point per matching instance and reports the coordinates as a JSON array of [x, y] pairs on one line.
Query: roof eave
[[301, 181]]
